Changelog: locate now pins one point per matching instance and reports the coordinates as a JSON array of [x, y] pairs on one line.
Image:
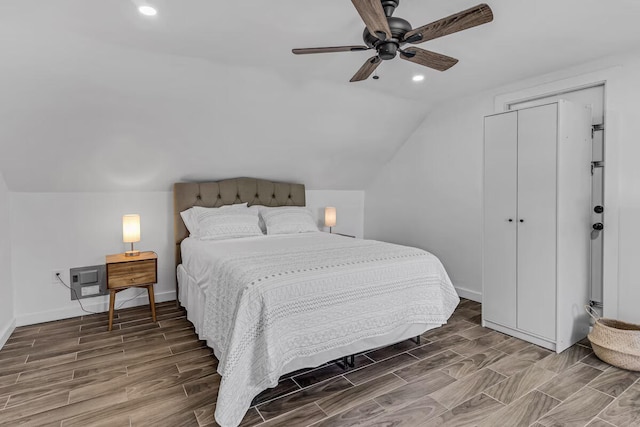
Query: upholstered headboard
[[229, 192]]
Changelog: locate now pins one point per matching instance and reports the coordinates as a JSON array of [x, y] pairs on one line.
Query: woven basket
[[615, 342]]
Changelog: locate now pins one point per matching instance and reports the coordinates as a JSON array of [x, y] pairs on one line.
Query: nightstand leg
[[112, 303], [152, 302]]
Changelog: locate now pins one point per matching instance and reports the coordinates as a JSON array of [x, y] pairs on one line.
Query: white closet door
[[537, 159], [500, 191]]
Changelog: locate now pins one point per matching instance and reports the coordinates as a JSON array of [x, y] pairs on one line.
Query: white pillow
[[221, 224], [261, 224], [288, 220], [190, 216]]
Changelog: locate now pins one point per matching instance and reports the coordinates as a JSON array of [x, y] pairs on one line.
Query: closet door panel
[[536, 258], [499, 240]]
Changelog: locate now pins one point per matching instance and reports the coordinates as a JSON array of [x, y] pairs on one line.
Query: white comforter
[[272, 299]]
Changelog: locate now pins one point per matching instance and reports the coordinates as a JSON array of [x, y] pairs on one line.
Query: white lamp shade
[[131, 228], [329, 217]]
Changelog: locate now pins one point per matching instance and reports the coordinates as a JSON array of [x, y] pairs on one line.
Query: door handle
[[598, 209], [598, 226], [522, 220]]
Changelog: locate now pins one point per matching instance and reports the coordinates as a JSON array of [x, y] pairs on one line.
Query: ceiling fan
[[388, 34]]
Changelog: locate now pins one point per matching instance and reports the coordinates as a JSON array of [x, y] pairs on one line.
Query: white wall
[[7, 320], [59, 231], [429, 194]]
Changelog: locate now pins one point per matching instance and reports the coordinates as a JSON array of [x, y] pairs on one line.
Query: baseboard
[[6, 332], [98, 307], [468, 294], [542, 342]]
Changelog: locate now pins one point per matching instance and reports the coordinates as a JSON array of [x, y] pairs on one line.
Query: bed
[[272, 304]]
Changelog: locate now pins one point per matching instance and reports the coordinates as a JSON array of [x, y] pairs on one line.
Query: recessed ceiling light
[[418, 78], [147, 11]]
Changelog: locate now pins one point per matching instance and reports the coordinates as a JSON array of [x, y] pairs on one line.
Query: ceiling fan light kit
[[388, 34]]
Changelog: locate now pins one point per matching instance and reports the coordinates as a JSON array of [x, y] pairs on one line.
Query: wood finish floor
[[75, 373]]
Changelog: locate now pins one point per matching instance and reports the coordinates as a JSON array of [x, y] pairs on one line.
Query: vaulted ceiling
[[96, 97]]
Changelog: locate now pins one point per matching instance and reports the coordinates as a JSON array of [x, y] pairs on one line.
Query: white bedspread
[[272, 299]]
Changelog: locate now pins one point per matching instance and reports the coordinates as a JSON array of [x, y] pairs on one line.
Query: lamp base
[[132, 253]]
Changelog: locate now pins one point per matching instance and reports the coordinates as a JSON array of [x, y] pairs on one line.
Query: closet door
[[499, 240], [537, 163]]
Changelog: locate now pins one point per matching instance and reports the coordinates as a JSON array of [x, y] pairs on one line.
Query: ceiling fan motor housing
[[387, 49]]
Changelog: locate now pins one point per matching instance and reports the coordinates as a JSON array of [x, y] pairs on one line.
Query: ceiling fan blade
[[373, 15], [367, 69], [472, 17], [329, 49], [429, 59]]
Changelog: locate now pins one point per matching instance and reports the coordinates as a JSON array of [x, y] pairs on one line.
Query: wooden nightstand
[[124, 272]]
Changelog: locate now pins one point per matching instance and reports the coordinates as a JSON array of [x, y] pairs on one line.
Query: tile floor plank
[[168, 361], [438, 346], [377, 370], [392, 350], [209, 384], [475, 332], [408, 393], [413, 414], [329, 371], [425, 366], [566, 359], [21, 386], [592, 360], [351, 397], [182, 413], [8, 380], [614, 381], [447, 330], [358, 415], [300, 398], [577, 410], [50, 388], [522, 412], [520, 384], [462, 390], [512, 345], [466, 414], [532, 353], [474, 363], [81, 418], [479, 345], [511, 365], [144, 388], [568, 382], [625, 410], [597, 422]]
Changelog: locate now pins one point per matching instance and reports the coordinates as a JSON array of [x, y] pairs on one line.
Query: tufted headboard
[[229, 192]]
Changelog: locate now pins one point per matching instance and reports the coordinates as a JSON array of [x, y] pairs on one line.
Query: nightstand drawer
[[131, 273]]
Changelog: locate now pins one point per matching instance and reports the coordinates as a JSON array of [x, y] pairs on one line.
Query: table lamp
[[330, 217], [131, 232]]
